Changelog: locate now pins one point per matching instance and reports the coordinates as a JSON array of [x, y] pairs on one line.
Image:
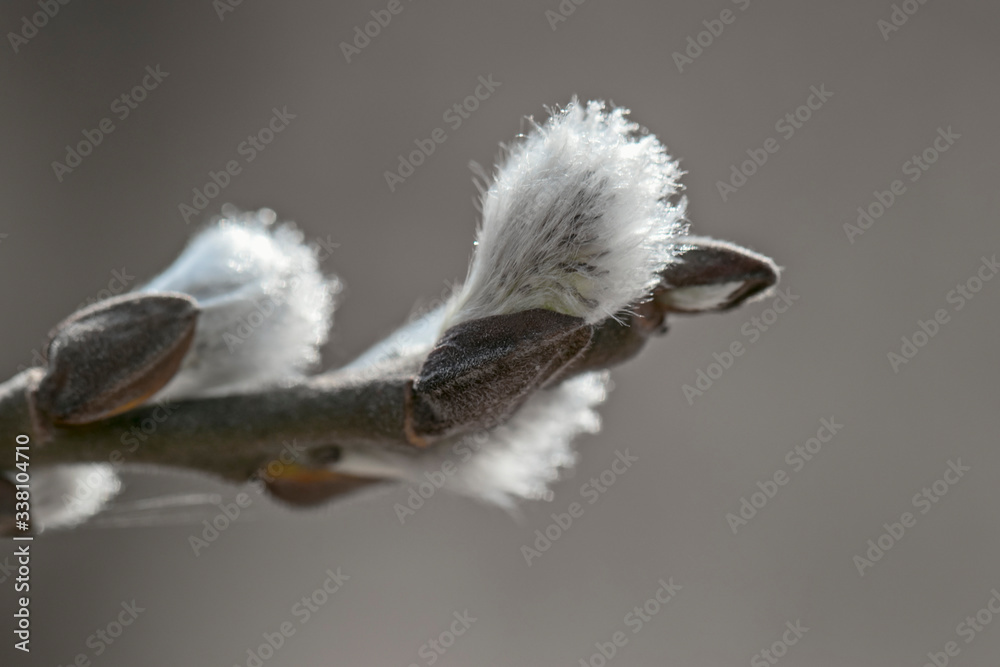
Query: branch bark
[[229, 436], [233, 436]]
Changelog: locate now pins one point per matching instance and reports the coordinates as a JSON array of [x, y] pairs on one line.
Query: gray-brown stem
[[233, 436]]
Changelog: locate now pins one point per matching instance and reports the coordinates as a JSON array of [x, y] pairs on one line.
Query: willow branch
[[230, 436], [235, 435]]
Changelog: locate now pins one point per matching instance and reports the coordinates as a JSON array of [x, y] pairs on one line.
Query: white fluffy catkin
[[577, 220], [266, 308]]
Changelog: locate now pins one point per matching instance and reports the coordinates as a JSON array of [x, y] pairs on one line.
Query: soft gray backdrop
[[825, 357]]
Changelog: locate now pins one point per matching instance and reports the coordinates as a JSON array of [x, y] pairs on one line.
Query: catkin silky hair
[[578, 219]]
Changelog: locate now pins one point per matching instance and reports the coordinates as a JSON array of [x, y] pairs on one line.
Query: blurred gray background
[[825, 357]]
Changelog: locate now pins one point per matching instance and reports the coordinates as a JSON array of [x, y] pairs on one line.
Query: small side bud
[[710, 276], [112, 356], [713, 276], [307, 487]]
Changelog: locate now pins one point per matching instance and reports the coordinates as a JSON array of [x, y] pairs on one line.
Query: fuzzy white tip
[[66, 496], [265, 305], [519, 459], [577, 220]]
